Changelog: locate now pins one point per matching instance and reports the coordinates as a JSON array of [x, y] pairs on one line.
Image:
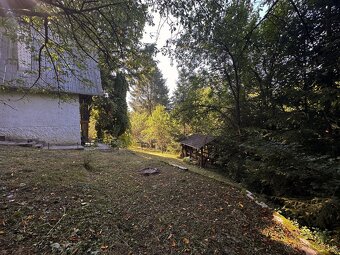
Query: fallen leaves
[[120, 212], [74, 238]]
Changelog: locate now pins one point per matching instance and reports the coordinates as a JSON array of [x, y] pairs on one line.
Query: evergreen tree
[[112, 117], [150, 89]]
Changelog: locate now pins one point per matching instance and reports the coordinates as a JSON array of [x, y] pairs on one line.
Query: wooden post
[[201, 157]]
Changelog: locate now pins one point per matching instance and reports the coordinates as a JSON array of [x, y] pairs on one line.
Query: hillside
[[92, 202]]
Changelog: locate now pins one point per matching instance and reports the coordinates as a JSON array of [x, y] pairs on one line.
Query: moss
[[293, 227]]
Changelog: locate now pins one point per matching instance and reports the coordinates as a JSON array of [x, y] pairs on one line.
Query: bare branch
[[42, 47], [5, 12], [249, 34]]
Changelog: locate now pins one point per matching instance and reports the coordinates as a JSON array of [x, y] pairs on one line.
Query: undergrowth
[[303, 183]]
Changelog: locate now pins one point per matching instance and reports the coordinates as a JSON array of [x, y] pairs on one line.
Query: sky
[[168, 69], [154, 34]]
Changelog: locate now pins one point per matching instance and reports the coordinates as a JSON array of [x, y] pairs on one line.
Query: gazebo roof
[[197, 141]]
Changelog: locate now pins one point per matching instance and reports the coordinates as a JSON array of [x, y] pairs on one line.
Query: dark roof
[[197, 141]]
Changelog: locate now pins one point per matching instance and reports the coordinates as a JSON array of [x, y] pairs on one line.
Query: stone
[[56, 247], [180, 167], [149, 171]]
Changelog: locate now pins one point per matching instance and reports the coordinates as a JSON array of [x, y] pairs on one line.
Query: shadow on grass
[[116, 210]]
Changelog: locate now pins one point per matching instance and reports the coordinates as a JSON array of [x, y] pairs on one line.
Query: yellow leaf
[[185, 240]]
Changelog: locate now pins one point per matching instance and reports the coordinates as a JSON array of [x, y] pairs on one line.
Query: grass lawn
[[92, 202]]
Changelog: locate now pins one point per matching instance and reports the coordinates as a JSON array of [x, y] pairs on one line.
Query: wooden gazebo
[[197, 147]]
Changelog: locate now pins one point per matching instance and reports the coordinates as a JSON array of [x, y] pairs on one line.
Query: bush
[[323, 213], [279, 166]]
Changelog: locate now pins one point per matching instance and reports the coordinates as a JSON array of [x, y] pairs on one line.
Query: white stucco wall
[[40, 117]]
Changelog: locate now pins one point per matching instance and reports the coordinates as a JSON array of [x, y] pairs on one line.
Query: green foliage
[[279, 168], [273, 84], [213, 47], [157, 130], [305, 184], [279, 71], [322, 213], [111, 112], [149, 89], [125, 140], [195, 107], [138, 123], [70, 31], [319, 236]]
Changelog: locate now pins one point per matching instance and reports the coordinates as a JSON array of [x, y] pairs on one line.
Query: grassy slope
[[81, 202], [294, 240]]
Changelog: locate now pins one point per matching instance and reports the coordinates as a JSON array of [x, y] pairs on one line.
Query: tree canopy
[[262, 69], [149, 88], [267, 84], [68, 31], [112, 116]]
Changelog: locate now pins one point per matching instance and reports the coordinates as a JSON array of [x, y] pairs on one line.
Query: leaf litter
[[65, 209]]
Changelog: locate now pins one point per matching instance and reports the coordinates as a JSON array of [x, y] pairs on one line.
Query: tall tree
[[278, 71], [149, 90], [296, 67], [138, 121], [214, 40], [112, 116], [195, 106]]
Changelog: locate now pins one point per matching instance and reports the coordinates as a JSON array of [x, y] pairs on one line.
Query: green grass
[[175, 159], [92, 202], [158, 153]]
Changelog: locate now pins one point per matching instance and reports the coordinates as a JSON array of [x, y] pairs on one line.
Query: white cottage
[[50, 112]]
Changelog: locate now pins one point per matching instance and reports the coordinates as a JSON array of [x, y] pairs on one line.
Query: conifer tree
[[149, 89], [112, 118]]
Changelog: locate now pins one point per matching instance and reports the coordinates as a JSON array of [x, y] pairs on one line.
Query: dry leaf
[[173, 243], [104, 247], [74, 238], [185, 240]]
